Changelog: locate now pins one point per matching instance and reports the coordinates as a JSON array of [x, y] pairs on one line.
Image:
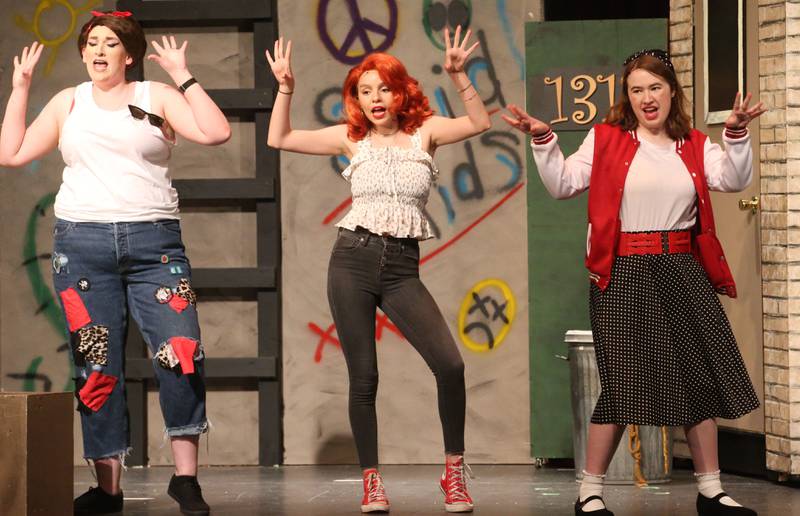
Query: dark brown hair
[[126, 28], [678, 123]]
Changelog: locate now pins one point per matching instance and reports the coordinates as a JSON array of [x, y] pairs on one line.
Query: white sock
[[710, 486], [591, 485]]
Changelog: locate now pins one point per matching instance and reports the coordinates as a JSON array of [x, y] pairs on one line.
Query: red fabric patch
[[178, 303], [77, 315], [184, 350], [97, 389]]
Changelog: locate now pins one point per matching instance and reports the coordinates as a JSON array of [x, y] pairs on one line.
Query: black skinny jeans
[[368, 271]]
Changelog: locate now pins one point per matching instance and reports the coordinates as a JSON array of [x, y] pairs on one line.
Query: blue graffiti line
[[445, 193], [501, 10], [461, 183], [344, 161], [474, 69], [502, 158], [336, 110], [440, 101]]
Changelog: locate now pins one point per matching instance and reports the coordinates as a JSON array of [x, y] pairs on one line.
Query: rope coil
[[635, 449]]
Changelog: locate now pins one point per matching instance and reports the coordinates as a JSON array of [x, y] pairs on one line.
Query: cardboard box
[[36, 471]]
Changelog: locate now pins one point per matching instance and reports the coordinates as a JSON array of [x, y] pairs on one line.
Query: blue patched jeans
[[102, 270]]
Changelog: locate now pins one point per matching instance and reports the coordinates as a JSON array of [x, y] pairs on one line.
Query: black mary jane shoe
[[713, 507], [599, 512]]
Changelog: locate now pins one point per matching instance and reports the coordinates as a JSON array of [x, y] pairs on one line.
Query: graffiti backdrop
[[476, 267]]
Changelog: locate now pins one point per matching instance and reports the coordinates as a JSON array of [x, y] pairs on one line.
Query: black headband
[[652, 52]]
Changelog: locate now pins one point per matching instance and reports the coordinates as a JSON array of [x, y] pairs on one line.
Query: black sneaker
[[185, 490], [97, 501]]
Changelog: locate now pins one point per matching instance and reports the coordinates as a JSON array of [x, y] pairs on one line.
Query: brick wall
[[681, 43], [779, 74]]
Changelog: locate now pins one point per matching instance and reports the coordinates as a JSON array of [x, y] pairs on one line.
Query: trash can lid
[[582, 336]]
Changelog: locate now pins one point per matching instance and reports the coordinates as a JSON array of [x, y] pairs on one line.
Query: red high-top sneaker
[[454, 487], [374, 493]]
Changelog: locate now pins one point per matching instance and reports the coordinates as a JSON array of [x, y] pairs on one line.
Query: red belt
[[655, 242]]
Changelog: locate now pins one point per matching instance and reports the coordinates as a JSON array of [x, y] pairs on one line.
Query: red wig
[[410, 106]]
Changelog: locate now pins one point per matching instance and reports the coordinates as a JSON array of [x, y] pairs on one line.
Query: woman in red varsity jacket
[[665, 350]]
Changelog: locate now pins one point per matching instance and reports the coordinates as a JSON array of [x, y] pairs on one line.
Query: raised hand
[[170, 57], [456, 54], [23, 66], [741, 115], [524, 122], [281, 64]]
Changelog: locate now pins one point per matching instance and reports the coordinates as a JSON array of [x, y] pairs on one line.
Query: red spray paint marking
[[382, 322], [472, 226], [336, 211], [326, 336]]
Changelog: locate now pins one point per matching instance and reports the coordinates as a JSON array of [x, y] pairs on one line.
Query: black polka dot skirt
[[665, 351]]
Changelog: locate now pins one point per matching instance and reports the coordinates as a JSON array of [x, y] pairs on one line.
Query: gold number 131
[[579, 83]]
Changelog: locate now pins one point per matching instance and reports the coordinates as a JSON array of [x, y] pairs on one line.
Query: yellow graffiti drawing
[[35, 26], [488, 305]]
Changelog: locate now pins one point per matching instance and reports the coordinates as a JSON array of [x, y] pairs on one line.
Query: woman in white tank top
[[390, 136], [117, 238]]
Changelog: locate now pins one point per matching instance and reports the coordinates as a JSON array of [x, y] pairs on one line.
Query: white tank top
[[116, 166]]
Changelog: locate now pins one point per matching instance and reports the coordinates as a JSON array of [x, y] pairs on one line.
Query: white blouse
[[659, 194], [390, 188]]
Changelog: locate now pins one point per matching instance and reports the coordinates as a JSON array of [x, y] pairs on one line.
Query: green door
[[573, 72]]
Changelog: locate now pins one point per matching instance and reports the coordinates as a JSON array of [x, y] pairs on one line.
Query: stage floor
[[413, 490]]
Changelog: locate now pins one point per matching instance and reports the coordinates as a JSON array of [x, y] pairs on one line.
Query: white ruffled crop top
[[390, 187]]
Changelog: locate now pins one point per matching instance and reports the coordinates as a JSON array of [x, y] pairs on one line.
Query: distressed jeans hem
[[118, 454], [195, 429]]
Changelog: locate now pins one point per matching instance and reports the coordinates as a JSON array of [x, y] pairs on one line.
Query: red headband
[[118, 14]]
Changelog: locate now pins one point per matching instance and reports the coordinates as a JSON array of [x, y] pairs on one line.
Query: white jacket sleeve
[[564, 178], [729, 170]]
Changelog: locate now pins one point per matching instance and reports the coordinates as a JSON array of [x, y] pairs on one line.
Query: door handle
[[749, 204]]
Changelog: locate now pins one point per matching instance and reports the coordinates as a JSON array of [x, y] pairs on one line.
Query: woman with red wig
[[665, 350], [117, 239], [390, 136]]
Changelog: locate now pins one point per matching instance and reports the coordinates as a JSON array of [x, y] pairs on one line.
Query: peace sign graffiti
[[360, 30]]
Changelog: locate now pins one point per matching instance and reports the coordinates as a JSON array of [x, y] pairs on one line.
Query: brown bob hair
[[678, 123], [126, 28]]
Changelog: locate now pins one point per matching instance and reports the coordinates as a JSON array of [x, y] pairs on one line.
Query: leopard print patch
[[93, 344], [165, 357], [185, 291]]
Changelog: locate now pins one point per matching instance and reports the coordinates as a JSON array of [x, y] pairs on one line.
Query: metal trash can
[[654, 448]]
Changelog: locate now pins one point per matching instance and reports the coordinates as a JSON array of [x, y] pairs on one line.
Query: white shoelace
[[457, 483], [376, 491]]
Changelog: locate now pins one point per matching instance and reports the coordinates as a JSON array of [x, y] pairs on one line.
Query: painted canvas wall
[[32, 340], [476, 267]]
